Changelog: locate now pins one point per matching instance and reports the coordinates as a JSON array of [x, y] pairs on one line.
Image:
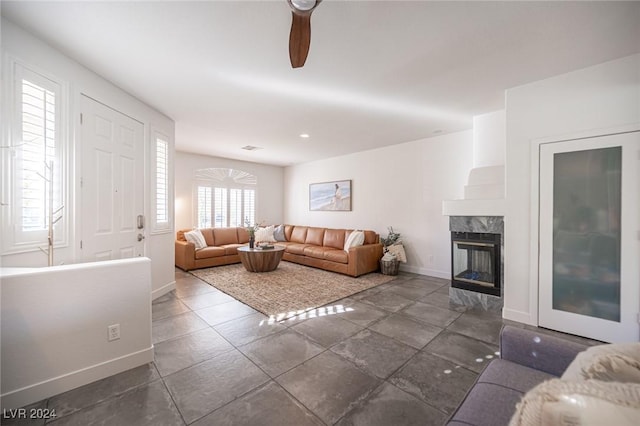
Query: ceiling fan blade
[[299, 39]]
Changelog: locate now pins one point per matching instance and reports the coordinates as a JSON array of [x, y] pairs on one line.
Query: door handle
[[140, 237], [140, 221]]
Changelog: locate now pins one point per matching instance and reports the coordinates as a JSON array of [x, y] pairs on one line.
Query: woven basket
[[389, 267]]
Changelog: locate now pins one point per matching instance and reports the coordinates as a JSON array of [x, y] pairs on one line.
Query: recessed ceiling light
[[437, 132], [304, 135], [251, 147]]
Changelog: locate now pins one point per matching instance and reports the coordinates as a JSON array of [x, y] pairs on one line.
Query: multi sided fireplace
[[475, 262]]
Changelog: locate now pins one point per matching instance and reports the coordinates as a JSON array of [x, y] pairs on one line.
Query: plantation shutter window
[[204, 207], [235, 207], [34, 156], [38, 151], [225, 198], [162, 182], [220, 207], [161, 185], [249, 206]]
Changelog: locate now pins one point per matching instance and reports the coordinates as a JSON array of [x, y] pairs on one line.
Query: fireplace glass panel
[[586, 232], [473, 262]]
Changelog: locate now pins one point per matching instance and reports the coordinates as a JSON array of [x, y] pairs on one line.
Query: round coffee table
[[259, 260]]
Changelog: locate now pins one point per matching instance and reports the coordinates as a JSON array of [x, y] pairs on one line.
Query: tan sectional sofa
[[222, 248], [311, 246]]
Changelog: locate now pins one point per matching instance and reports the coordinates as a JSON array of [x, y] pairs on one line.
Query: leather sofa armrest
[[185, 255], [364, 259], [536, 350]]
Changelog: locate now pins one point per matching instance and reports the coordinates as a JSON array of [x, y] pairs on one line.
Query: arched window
[[224, 197]]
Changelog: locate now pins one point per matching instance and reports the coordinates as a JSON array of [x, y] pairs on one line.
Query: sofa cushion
[[487, 404], [208, 236], [315, 251], [334, 238], [355, 239], [336, 255], [315, 236], [278, 233], [222, 236], [296, 248], [231, 249], [298, 234], [284, 243], [513, 376], [370, 237], [180, 234], [288, 230], [265, 234], [209, 252], [243, 235], [196, 238]]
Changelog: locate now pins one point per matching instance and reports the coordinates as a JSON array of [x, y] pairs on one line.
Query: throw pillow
[[618, 362], [278, 233], [196, 238], [583, 403], [265, 235], [398, 251], [355, 239]]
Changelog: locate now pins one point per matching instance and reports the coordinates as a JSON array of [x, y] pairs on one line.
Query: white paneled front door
[[112, 182], [589, 237]]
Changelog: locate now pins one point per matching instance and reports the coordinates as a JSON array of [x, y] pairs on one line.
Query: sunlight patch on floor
[[308, 313]]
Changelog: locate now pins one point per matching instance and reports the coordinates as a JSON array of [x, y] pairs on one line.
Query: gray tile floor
[[397, 354]]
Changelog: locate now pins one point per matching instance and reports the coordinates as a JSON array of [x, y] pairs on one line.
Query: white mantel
[[473, 207]]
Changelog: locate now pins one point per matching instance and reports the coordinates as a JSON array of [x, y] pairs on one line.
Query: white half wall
[[401, 186], [54, 326], [590, 100], [18, 43], [269, 198]]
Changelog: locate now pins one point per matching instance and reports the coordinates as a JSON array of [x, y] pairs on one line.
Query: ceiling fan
[[300, 35]]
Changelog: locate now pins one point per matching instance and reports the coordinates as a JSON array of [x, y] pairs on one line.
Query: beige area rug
[[290, 288]]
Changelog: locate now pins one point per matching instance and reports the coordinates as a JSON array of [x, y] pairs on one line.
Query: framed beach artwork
[[330, 196]]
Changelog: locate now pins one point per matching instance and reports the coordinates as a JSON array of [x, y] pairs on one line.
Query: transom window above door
[[224, 198]]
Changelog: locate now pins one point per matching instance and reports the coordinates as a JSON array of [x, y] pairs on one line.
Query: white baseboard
[[518, 316], [425, 271], [48, 388], [163, 290]]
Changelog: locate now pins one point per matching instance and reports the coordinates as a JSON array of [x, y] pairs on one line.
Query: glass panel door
[[589, 225], [586, 232]]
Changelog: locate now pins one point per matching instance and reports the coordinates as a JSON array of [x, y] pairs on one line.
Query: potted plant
[[393, 253]]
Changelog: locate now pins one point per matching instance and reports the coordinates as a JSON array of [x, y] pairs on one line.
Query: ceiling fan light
[[303, 5]]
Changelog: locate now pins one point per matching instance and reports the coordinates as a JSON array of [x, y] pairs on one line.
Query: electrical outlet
[[113, 332]]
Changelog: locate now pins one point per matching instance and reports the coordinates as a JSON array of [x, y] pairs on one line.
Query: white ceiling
[[378, 73]]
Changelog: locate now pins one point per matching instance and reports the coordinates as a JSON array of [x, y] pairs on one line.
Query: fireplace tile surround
[[481, 224]]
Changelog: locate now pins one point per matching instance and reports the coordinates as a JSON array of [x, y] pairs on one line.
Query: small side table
[[259, 260]]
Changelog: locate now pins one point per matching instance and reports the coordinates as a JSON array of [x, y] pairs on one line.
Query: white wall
[[489, 136], [598, 97], [54, 326], [269, 198], [25, 47], [401, 186]]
